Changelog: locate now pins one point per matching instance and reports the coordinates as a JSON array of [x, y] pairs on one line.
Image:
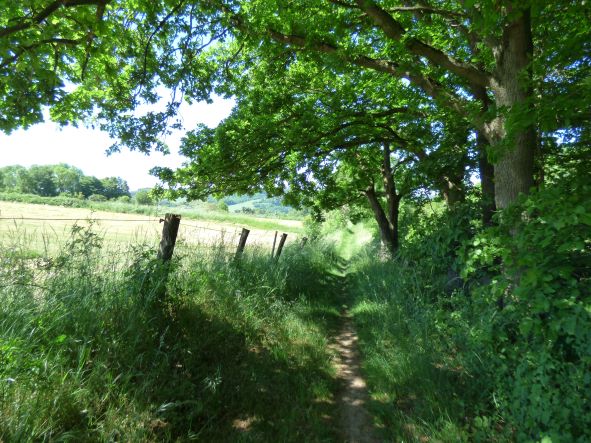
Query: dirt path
[[355, 421]]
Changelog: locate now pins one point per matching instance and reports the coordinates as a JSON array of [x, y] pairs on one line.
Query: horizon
[[85, 148]]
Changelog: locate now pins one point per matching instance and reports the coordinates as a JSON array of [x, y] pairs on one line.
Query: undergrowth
[[473, 334], [92, 350]]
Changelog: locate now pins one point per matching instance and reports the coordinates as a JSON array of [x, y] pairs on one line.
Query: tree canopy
[[61, 179], [511, 78]]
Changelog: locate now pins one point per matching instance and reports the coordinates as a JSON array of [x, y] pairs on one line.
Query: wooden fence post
[[274, 242], [169, 233], [280, 247], [242, 242]]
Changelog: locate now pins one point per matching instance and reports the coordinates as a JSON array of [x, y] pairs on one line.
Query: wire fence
[[226, 240]]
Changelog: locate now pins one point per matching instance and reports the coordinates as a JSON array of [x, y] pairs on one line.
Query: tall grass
[[234, 351], [425, 380]]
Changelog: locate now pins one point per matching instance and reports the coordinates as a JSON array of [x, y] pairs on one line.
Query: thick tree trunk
[[512, 90], [389, 239]]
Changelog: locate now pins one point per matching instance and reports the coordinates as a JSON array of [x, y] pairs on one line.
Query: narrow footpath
[[354, 420]]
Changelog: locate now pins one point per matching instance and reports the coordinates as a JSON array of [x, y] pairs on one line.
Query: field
[[43, 227]]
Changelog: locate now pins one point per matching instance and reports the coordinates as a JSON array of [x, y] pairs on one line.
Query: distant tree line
[[61, 179]]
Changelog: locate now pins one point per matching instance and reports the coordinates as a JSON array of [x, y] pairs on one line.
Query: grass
[[423, 383], [235, 351]]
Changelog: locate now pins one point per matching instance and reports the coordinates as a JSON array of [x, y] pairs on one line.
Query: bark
[[387, 219], [452, 190], [392, 197], [386, 233], [511, 86]]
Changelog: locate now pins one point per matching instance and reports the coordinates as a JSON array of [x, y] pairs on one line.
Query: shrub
[[143, 197], [541, 332], [97, 198], [222, 206]]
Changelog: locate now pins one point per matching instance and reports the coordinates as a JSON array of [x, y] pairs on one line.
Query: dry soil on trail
[[355, 422]]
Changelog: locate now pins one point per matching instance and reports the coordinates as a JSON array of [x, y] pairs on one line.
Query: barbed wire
[[206, 228], [80, 219]]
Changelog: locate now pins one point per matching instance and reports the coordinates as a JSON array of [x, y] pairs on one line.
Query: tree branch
[[22, 49], [428, 85], [394, 30], [47, 12]]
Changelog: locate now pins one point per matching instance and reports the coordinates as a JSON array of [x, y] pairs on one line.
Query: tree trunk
[[392, 197], [452, 191], [389, 239], [512, 90]]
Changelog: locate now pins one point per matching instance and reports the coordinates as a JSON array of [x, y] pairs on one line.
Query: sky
[[48, 143]]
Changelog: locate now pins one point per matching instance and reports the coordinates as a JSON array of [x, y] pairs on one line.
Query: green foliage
[[222, 206], [124, 199], [427, 377], [97, 198], [483, 335], [143, 197], [62, 179], [541, 334]]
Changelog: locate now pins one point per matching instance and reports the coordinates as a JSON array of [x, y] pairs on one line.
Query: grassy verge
[[130, 208], [423, 382], [236, 351]]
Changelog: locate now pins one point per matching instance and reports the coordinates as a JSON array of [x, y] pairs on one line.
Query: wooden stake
[[242, 242], [169, 233], [274, 242], [280, 247]]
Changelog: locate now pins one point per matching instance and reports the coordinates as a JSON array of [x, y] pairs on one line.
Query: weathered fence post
[[169, 233], [274, 242], [280, 247], [304, 241], [242, 242]]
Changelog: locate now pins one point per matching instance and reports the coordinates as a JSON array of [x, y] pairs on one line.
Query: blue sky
[[85, 148]]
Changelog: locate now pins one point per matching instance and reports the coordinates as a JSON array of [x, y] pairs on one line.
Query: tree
[[38, 180], [114, 187], [67, 179], [476, 59], [323, 143], [143, 197], [10, 177], [90, 185]]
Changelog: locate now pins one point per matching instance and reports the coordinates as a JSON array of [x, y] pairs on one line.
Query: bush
[[124, 199], [97, 198], [541, 332], [143, 197], [222, 206]]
